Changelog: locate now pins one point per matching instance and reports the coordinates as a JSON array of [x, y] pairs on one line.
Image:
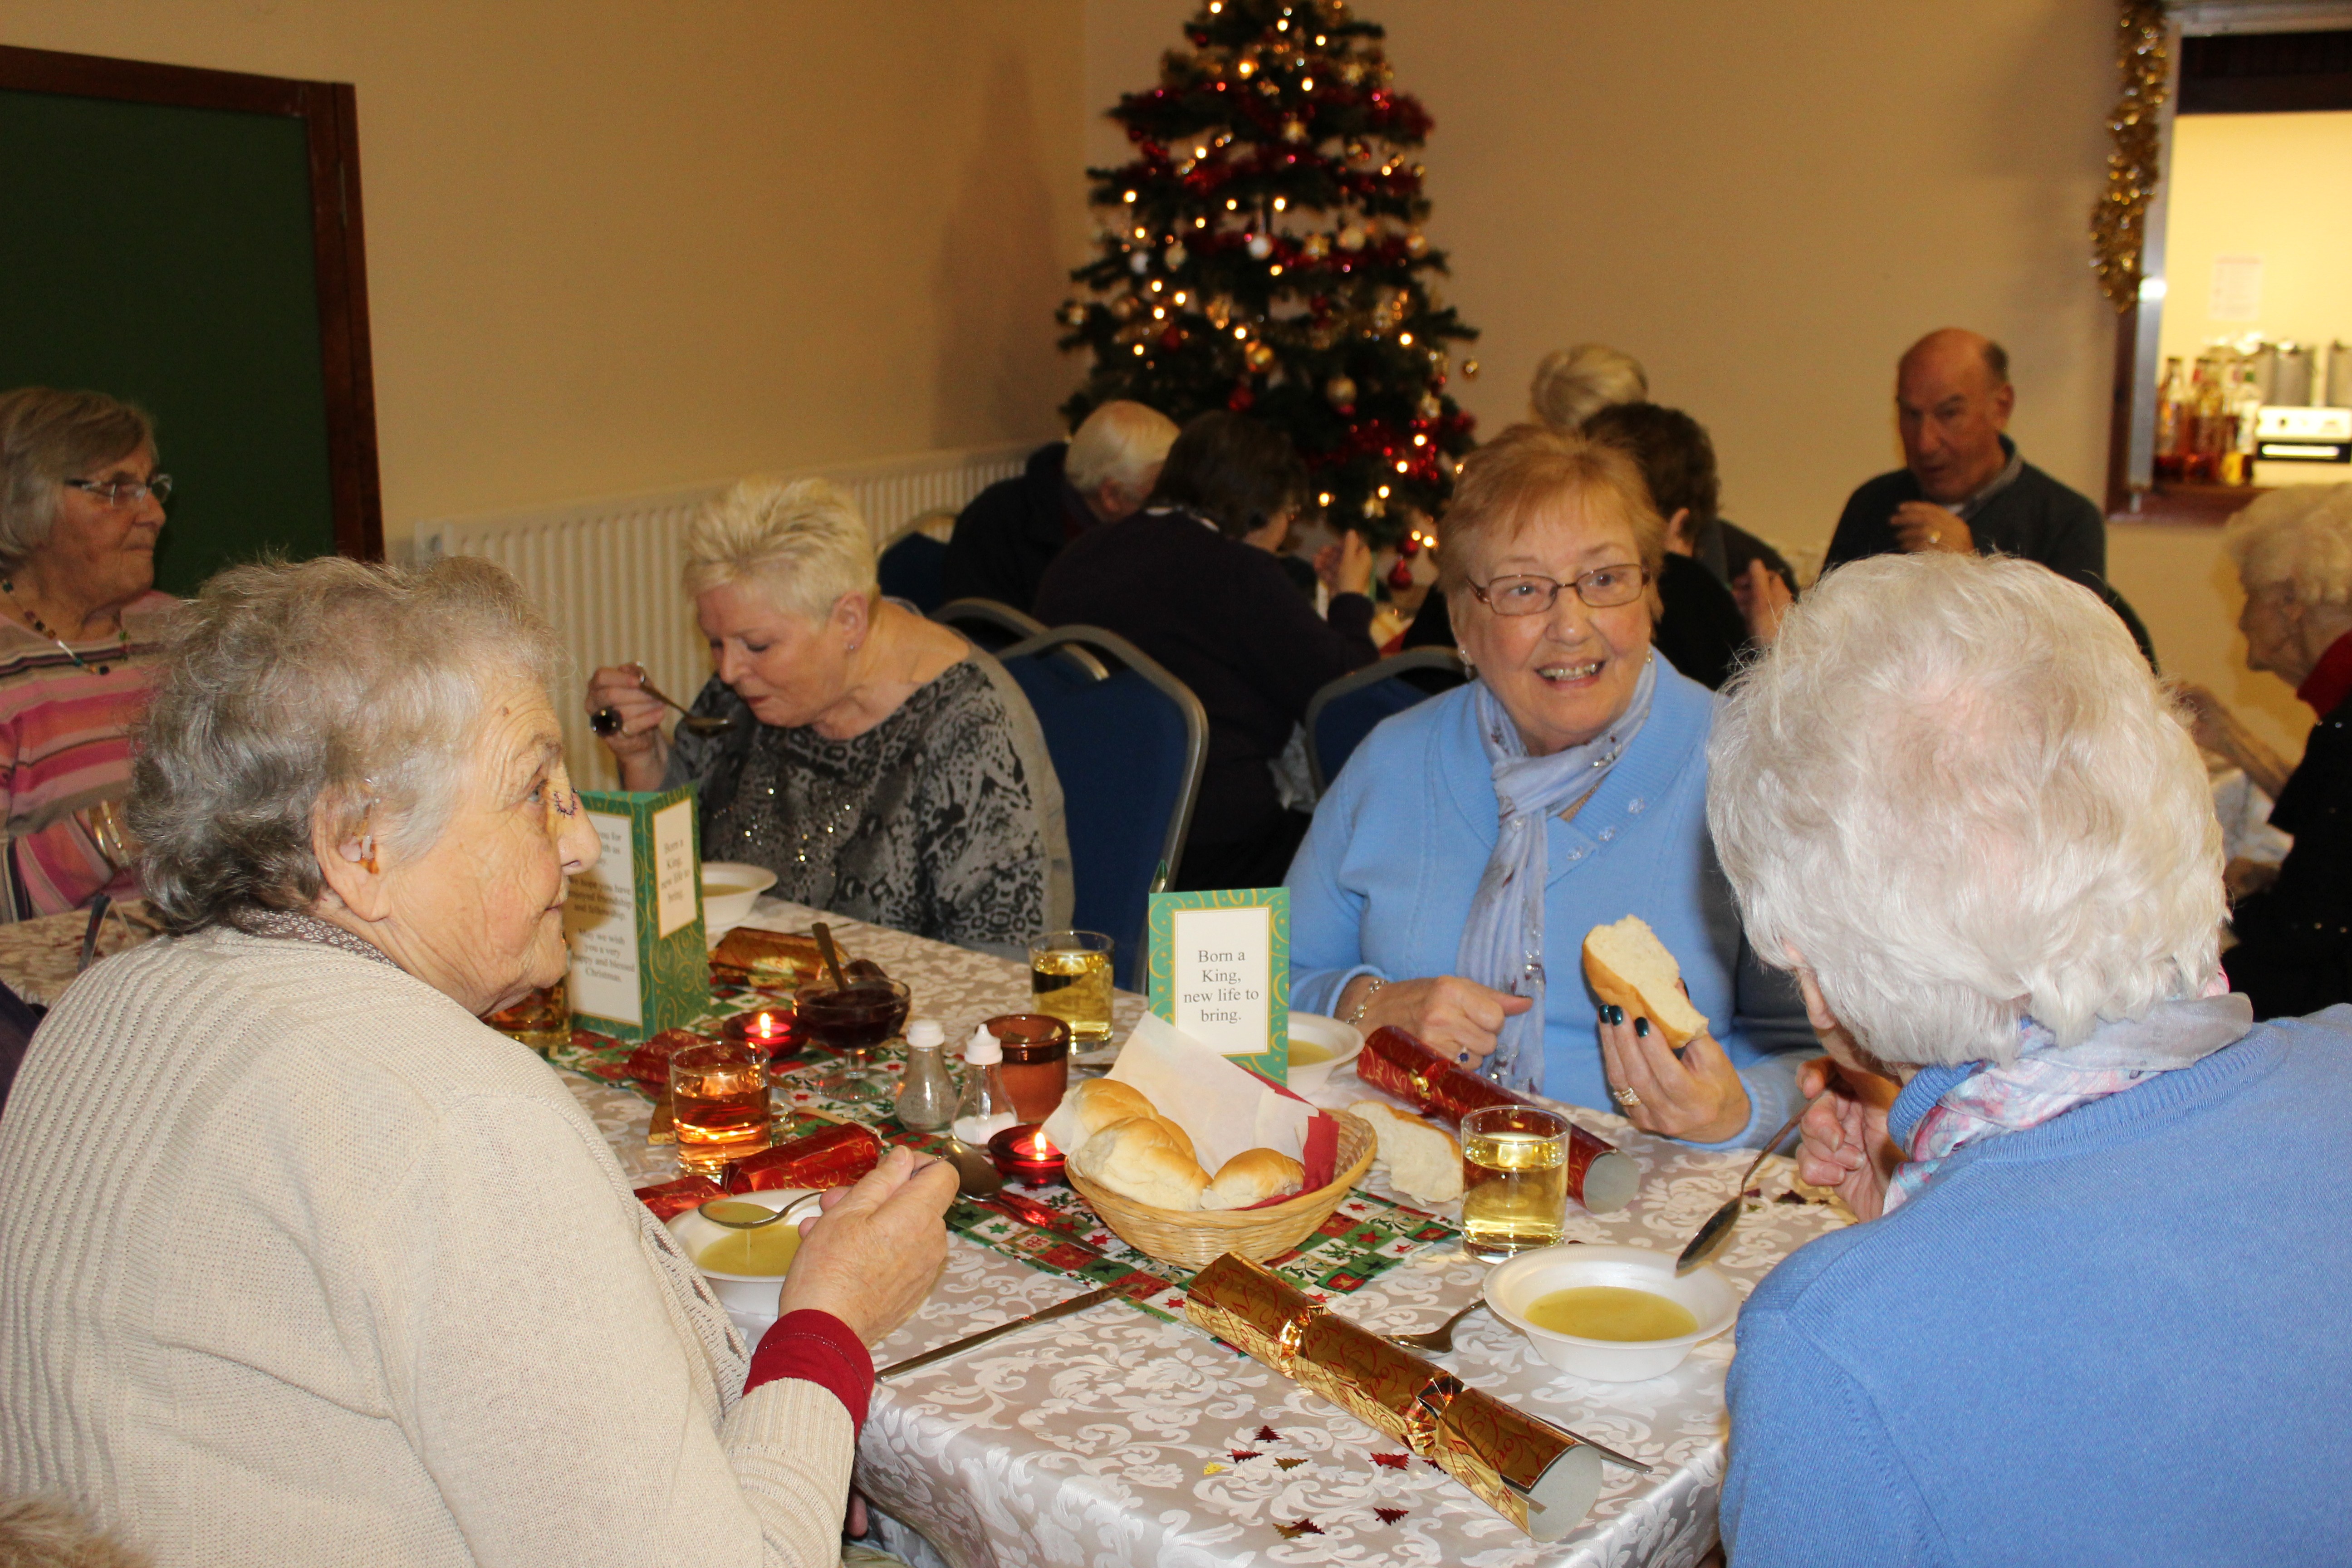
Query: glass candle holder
[[771, 1031], [1024, 1154]]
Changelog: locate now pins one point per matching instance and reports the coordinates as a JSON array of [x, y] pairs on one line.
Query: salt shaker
[[927, 1100], [986, 1108]]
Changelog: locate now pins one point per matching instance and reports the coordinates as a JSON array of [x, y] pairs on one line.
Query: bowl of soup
[[746, 1268], [729, 889], [1319, 1047], [1615, 1314]]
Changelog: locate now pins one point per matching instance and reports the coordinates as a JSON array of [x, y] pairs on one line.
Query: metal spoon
[[607, 720], [975, 1176], [1439, 1339], [1711, 1236], [768, 1216]]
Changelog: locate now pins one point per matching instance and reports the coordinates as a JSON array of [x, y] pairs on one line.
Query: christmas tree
[[1262, 251]]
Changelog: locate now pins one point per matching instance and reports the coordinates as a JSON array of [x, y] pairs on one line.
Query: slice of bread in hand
[[1252, 1177], [1628, 965], [1423, 1162]]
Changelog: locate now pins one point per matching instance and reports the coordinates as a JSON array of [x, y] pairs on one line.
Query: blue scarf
[[1503, 944]]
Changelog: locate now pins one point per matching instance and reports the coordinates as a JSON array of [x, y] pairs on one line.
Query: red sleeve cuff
[[818, 1348]]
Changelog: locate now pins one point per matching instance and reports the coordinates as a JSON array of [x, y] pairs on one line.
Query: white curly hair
[[2297, 537], [1954, 793]]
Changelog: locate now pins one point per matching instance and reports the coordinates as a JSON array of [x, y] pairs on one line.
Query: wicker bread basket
[[1196, 1239]]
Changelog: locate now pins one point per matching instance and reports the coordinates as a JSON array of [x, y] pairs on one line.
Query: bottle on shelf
[[927, 1098], [2171, 415]]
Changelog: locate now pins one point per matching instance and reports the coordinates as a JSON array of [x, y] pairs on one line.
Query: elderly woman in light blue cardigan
[[1455, 865]]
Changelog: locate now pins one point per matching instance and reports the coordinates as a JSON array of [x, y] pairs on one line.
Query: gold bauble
[[1126, 307], [1294, 129], [1315, 246], [1259, 357], [1469, 370], [1429, 407], [1073, 313], [1220, 311], [1415, 242], [1342, 392], [1352, 237]]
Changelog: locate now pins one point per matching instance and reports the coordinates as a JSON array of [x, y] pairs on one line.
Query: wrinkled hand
[[1845, 1147], [1923, 525], [1696, 1095], [2243, 878], [1764, 602], [871, 1257], [2209, 716], [640, 746], [1456, 1018]]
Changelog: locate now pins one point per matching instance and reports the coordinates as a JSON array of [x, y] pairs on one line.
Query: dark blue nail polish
[[1601, 1012], [1642, 1028]]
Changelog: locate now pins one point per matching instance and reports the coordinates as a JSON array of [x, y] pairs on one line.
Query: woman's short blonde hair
[[802, 540], [1572, 385], [1529, 471], [2299, 536], [1955, 792]]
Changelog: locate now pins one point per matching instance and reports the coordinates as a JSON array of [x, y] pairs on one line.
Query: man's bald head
[[1952, 401]]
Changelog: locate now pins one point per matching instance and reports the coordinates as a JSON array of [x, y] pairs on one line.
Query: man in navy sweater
[[2095, 1310], [1963, 488]]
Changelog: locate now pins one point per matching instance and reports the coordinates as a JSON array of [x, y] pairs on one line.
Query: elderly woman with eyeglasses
[[80, 505], [302, 1262], [1471, 841]]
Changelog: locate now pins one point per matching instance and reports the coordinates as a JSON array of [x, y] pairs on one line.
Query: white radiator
[[606, 572]]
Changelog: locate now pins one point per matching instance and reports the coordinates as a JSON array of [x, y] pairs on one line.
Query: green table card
[[639, 964], [1220, 971]]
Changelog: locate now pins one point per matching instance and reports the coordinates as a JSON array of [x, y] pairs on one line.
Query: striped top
[[65, 746]]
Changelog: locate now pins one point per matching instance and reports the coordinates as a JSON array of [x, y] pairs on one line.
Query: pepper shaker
[[927, 1100]]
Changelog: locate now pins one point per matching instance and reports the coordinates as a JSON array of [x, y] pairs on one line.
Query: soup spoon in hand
[[607, 720]]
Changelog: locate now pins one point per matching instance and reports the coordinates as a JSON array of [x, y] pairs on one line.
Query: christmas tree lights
[[1262, 251]]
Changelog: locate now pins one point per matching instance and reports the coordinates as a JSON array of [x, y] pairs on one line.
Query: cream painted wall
[[2271, 185], [617, 247], [1765, 203]]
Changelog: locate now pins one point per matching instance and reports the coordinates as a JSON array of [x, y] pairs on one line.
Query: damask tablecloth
[[1114, 1438]]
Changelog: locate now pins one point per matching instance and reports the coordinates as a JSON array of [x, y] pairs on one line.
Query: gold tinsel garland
[[2118, 220]]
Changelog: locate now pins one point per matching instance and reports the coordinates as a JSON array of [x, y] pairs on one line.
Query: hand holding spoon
[[607, 720]]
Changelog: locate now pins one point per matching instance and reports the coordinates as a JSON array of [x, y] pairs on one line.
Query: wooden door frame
[[330, 115]]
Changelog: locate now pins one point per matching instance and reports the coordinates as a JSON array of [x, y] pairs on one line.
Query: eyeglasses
[[125, 492], [1603, 587]]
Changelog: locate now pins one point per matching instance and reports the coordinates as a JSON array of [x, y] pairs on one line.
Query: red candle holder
[[1023, 1154], [770, 1030]]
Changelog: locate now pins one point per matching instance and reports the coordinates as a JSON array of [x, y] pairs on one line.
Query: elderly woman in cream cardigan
[[304, 1264]]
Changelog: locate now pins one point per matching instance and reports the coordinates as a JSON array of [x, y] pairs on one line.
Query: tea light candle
[[1025, 1154], [768, 1030]]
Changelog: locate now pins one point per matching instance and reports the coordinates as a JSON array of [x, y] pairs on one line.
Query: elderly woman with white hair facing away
[[1011, 531], [2292, 549], [305, 1264], [2097, 1199], [879, 764]]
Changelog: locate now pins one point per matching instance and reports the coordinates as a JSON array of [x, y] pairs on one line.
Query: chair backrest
[[1339, 716], [994, 627], [18, 1019], [914, 570], [1127, 740]]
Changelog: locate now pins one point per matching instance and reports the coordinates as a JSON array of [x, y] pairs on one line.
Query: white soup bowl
[[1518, 1283]]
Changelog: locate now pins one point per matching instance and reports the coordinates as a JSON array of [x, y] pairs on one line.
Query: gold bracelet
[[1355, 1014]]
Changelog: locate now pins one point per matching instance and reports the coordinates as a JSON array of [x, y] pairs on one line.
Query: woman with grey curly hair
[[877, 762], [80, 625], [277, 1209], [1954, 799], [2293, 550]]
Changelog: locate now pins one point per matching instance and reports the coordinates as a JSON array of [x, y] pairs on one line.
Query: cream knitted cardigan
[[300, 1264]]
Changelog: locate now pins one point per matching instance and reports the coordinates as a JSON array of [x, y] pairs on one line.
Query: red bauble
[[1408, 547], [1401, 575], [1172, 338], [1239, 398]]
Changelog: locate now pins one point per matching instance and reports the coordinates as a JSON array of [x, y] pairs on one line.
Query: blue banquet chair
[[989, 624], [1339, 716]]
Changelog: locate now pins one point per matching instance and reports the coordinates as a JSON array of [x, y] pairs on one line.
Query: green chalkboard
[[165, 253]]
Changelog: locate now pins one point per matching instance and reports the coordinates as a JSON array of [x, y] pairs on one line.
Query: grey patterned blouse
[[945, 819]]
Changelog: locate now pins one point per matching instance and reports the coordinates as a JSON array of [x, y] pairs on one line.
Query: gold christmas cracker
[[1541, 1478]]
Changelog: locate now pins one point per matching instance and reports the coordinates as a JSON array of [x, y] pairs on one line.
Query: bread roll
[[1252, 1177], [1423, 1162], [1100, 1101], [1139, 1159], [1627, 964], [1177, 1135]]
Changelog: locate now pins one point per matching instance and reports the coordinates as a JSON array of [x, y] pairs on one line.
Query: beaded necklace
[[123, 629]]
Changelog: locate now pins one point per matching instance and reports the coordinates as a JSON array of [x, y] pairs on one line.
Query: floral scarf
[[2046, 1082]]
